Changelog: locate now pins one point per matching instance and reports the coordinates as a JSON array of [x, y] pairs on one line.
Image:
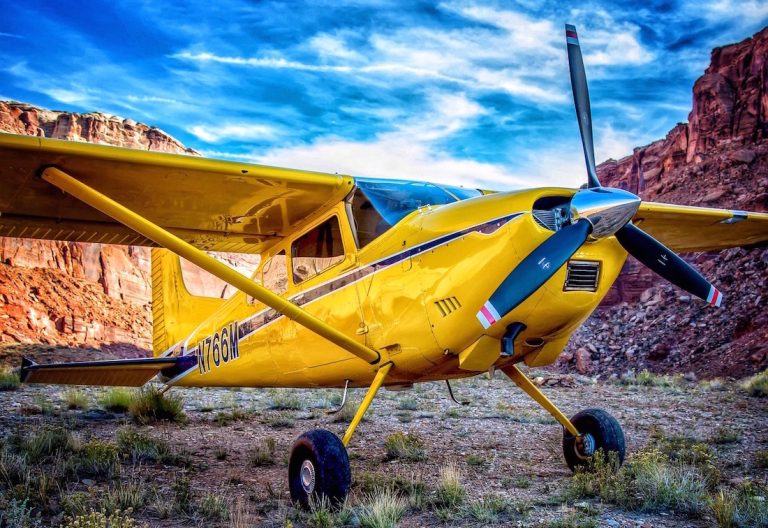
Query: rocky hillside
[[69, 293], [718, 159]]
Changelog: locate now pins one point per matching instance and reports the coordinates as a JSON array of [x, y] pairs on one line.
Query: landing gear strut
[[585, 433]]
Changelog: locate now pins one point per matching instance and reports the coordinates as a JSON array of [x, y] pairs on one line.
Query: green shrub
[[99, 520], [407, 404], [405, 446], [286, 400], [97, 459], [9, 380], [142, 447], [116, 400], [18, 514], [649, 481], [182, 494], [150, 405], [757, 385]]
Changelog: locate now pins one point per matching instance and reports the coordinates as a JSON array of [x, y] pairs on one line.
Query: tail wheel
[[318, 468], [599, 430]]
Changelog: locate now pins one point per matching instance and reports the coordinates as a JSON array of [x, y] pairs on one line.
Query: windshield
[[394, 199], [378, 204]]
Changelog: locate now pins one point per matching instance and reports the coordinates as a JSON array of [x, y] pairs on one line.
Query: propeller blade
[[665, 263], [533, 271], [581, 101]]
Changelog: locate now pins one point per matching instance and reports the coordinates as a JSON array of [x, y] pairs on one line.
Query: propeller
[[595, 212]]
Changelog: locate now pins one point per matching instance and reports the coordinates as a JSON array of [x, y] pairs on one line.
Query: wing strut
[[141, 225]]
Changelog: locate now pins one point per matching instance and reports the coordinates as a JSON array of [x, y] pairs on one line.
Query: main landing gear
[[319, 466]]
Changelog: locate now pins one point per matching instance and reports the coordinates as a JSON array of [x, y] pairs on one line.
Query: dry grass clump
[[45, 444], [488, 509], [382, 509], [150, 405], [75, 399], [214, 507], [405, 446], [757, 385], [742, 507], [650, 481], [263, 454], [450, 492]]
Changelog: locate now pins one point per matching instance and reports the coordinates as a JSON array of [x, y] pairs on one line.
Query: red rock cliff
[[718, 159]]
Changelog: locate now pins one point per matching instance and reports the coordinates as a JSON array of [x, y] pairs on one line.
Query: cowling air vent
[[582, 275], [448, 306]]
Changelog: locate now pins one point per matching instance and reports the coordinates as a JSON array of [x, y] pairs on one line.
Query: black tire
[[325, 464], [603, 429]]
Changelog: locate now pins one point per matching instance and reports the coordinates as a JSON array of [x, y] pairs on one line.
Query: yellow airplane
[[362, 282]]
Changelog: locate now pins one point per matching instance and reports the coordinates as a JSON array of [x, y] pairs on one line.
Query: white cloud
[[232, 131], [746, 9], [333, 47], [412, 151]]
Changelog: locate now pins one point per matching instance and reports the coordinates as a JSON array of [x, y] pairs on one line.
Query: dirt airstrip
[[505, 447]]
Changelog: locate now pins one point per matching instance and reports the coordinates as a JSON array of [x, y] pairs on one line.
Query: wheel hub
[[307, 476], [585, 446]]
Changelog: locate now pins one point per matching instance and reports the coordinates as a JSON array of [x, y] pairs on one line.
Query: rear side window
[[317, 250], [274, 274]]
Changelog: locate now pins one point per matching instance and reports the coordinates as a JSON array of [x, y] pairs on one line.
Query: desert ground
[[696, 451]]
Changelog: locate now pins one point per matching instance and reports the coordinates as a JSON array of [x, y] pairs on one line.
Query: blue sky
[[471, 93]]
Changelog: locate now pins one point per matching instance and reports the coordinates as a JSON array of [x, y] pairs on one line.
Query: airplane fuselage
[[414, 294]]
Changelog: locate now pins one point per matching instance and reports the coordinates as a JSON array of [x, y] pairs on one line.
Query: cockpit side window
[[368, 223], [317, 250]]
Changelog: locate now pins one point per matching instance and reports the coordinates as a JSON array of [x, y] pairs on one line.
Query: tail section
[[175, 312]]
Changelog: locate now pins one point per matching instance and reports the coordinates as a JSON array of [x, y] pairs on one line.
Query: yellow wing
[[682, 228], [215, 205]]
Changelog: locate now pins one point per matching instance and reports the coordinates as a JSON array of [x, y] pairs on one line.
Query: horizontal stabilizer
[[117, 372]]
